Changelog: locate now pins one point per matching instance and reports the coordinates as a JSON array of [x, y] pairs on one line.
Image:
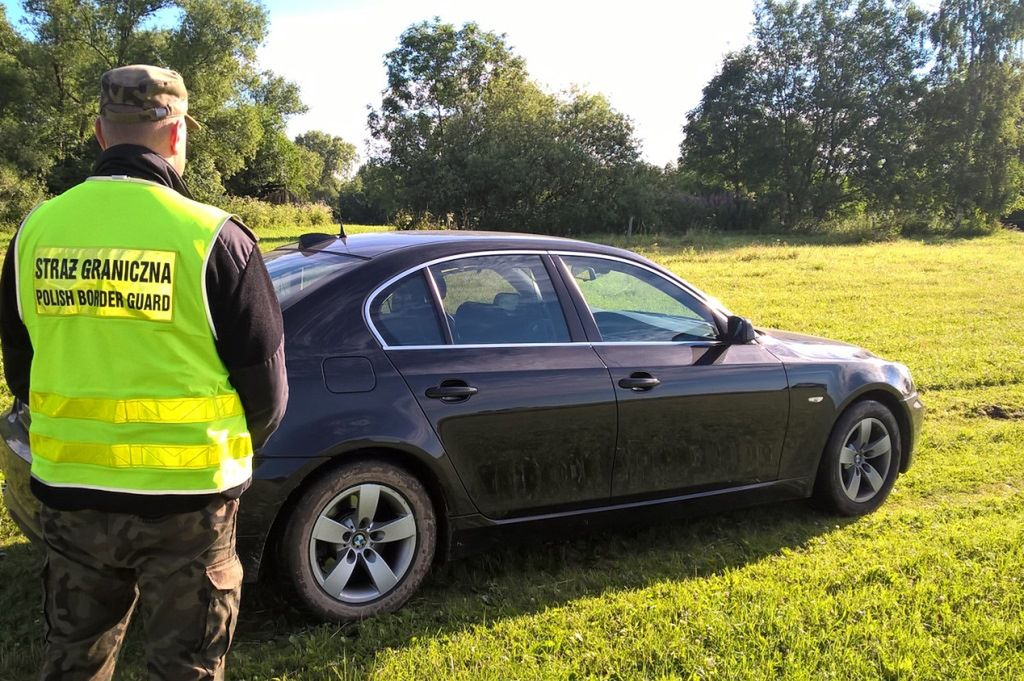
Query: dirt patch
[[996, 411]]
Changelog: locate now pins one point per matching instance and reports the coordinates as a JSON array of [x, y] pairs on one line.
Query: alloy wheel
[[865, 459], [363, 543]]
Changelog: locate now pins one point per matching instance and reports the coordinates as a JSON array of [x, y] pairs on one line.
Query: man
[[142, 329]]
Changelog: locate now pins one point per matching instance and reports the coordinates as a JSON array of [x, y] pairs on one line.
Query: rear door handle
[[639, 381], [450, 391]]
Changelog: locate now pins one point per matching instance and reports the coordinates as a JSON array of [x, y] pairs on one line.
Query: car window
[[296, 273], [404, 313], [632, 304], [492, 299]]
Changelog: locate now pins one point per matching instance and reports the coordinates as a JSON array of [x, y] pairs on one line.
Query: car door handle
[[639, 381], [451, 393]]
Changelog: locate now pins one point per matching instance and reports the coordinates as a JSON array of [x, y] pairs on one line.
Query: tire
[[359, 542], [861, 460]]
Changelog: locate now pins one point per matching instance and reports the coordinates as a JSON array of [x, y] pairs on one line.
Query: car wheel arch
[[887, 396], [396, 457]]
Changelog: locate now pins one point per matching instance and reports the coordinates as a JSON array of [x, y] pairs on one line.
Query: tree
[[473, 141], [339, 158], [436, 74], [728, 139], [817, 115], [55, 73], [214, 46], [278, 163], [974, 114], [370, 198], [23, 159]]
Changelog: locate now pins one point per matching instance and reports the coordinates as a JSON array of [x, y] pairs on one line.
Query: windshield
[[296, 273]]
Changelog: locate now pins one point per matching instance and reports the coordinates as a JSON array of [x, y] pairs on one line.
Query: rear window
[[297, 273]]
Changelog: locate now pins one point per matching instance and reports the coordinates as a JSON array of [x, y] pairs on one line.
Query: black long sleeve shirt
[[250, 340]]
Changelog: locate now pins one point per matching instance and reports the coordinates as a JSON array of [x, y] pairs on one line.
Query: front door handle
[[639, 381], [451, 391]]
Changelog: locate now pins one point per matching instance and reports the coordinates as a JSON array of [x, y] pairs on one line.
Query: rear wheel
[[861, 460], [360, 541]]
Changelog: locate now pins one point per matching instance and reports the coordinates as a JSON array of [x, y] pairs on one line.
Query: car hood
[[797, 346]]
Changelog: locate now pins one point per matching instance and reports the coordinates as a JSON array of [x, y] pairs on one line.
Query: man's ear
[[98, 128], [178, 133]]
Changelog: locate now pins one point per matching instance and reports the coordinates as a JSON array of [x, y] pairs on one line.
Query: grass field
[[929, 587]]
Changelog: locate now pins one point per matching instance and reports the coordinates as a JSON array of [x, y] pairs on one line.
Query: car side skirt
[[471, 534]]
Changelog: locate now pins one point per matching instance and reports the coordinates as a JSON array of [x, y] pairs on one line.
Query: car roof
[[372, 244]]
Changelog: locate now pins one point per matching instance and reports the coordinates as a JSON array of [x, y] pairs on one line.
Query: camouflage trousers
[[180, 569]]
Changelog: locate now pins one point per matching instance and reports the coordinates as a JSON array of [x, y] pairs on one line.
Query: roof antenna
[[319, 240]]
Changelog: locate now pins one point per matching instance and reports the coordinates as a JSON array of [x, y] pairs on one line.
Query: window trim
[[439, 316], [442, 316], [570, 287]]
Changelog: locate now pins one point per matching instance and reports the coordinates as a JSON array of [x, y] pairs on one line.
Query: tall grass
[[262, 215]]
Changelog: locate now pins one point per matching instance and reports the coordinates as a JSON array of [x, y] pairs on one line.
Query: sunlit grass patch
[[929, 587], [272, 237]]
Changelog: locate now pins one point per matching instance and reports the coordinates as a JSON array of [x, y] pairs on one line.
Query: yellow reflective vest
[[128, 393]]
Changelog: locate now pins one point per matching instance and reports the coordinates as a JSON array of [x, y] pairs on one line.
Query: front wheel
[[861, 460], [360, 541]]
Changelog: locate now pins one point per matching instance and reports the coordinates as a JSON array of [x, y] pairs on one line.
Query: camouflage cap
[[143, 94]]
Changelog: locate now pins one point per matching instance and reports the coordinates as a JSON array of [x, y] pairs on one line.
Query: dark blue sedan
[[453, 389]]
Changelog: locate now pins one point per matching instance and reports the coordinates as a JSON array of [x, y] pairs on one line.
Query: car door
[[694, 413], [526, 411]]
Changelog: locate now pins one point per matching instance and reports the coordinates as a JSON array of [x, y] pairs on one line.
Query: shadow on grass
[[517, 579], [527, 578], [21, 616]]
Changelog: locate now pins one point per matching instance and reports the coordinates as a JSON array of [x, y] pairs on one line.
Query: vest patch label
[[104, 282]]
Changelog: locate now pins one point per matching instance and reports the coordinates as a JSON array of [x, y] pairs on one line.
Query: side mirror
[[584, 273], [739, 331]]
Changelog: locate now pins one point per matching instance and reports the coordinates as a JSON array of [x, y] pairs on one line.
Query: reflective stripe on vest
[[166, 410], [128, 391], [151, 456], [145, 480]]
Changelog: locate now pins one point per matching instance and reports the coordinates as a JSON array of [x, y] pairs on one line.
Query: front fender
[[821, 392]]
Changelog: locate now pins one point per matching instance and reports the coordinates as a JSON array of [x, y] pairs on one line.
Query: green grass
[[278, 236], [929, 587]]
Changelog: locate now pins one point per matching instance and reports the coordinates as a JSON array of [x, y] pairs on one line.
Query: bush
[[718, 211], [889, 225], [18, 195], [260, 214], [354, 205], [852, 229]]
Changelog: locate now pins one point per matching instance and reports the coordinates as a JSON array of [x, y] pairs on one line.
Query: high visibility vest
[[128, 393]]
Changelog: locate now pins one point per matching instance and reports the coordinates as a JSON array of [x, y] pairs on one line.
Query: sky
[[651, 58]]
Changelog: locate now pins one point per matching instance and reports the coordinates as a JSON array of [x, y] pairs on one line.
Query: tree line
[[838, 112], [849, 106]]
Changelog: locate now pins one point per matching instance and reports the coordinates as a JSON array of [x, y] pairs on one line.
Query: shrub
[[852, 229], [18, 195], [260, 214], [357, 206], [718, 211]]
